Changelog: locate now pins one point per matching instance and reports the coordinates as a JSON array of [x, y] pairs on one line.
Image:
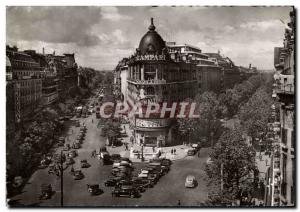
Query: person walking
[[198, 153], [178, 203], [92, 120], [172, 151]]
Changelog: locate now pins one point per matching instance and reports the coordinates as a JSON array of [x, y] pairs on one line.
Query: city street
[[167, 192]]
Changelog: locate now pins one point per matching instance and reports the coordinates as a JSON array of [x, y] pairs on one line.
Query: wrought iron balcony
[[285, 84]]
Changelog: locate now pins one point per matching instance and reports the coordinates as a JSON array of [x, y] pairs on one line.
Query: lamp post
[[142, 143]]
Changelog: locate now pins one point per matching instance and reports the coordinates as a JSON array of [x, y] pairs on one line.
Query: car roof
[[190, 177]]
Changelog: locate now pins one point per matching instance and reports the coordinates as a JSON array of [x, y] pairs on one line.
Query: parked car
[[76, 146], [153, 177], [143, 182], [190, 182], [112, 181], [106, 159], [191, 152], [84, 164], [126, 191], [116, 164], [143, 173], [78, 175], [116, 157]]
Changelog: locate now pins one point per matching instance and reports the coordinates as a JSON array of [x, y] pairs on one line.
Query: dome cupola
[[151, 42]]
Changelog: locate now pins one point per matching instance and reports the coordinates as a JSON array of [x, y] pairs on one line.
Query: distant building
[[231, 73], [26, 76], [209, 73], [49, 77]]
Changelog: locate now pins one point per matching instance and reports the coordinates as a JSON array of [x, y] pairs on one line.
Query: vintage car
[[146, 183], [94, 189], [66, 147], [46, 191], [76, 145], [143, 173], [112, 181], [78, 175], [190, 182], [191, 152], [126, 191], [116, 157], [84, 164]]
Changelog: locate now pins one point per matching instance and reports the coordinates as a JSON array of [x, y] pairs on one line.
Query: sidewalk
[[181, 150], [262, 164]]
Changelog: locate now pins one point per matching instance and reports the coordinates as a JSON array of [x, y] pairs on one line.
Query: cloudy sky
[[101, 36]]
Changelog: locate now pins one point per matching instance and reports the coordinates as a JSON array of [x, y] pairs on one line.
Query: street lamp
[[142, 143]]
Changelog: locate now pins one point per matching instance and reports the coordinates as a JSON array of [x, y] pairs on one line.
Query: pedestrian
[[153, 148], [92, 120], [198, 154], [174, 151], [178, 203], [266, 162]]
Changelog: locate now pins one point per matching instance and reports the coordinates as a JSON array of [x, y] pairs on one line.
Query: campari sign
[[151, 57]]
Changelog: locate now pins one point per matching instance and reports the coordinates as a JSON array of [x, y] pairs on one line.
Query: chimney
[[43, 51]]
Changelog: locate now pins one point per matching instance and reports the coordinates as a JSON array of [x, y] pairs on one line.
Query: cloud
[[261, 25], [111, 13], [100, 36], [53, 24]]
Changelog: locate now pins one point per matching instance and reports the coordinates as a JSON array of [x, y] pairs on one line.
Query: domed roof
[[151, 42]]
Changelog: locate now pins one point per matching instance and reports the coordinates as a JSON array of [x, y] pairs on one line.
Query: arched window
[[150, 90]]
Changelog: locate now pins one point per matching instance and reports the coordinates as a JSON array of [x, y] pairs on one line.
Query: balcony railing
[[149, 82], [285, 84]]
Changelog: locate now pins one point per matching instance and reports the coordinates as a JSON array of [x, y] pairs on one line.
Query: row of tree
[[35, 139], [212, 108], [233, 175]]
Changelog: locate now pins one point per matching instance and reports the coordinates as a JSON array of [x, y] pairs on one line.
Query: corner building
[[156, 75]]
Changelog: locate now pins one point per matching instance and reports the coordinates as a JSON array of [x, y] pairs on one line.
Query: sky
[[101, 36]]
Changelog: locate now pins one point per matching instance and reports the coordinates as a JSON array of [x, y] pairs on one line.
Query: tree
[[108, 78], [255, 114], [233, 169]]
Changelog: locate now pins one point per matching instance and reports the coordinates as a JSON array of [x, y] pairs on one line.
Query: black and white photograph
[[150, 106]]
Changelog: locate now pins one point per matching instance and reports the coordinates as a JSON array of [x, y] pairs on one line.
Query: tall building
[[27, 81], [209, 73], [153, 74], [49, 77], [231, 73], [284, 166]]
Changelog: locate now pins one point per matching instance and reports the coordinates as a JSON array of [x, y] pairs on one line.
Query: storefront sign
[[151, 57]]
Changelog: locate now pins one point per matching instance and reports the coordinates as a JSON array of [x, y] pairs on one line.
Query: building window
[[293, 139], [283, 184], [283, 135]]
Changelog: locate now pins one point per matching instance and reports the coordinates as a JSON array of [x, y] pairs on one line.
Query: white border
[[5, 3]]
